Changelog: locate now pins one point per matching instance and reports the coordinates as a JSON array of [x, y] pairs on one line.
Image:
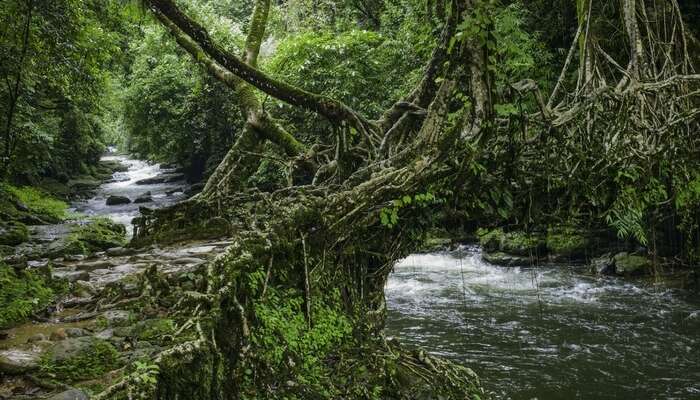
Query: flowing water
[[124, 184], [550, 332]]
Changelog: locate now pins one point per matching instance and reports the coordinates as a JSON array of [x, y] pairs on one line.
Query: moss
[[21, 294], [567, 241], [516, 243], [628, 264], [100, 234], [490, 240], [92, 361], [13, 233], [41, 203], [153, 329]]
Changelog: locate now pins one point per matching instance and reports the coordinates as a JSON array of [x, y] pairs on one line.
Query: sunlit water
[[548, 333], [124, 184]]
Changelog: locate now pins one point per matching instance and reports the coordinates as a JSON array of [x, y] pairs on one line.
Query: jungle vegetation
[[333, 137]]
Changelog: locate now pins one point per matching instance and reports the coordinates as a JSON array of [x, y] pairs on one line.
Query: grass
[[39, 202]]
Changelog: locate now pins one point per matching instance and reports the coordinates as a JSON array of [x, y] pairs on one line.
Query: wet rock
[[117, 200], [71, 394], [151, 181], [631, 265], [173, 191], [168, 166], [506, 260], [144, 198], [119, 251], [603, 265], [18, 361], [173, 178], [71, 276], [65, 246]]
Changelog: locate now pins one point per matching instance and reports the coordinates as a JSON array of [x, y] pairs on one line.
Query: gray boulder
[[144, 198], [17, 361], [117, 200]]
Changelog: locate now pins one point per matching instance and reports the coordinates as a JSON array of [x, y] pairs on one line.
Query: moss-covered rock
[[13, 233], [513, 243], [632, 265], [81, 358], [153, 329], [567, 242], [100, 234]]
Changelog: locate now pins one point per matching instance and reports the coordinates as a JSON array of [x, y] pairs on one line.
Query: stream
[[551, 332], [125, 184]]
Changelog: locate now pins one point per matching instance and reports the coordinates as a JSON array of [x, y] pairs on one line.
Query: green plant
[[22, 294]]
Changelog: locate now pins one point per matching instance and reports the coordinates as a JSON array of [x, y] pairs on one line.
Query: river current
[[548, 332]]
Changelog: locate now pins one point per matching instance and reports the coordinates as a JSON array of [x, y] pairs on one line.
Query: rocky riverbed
[[114, 302]]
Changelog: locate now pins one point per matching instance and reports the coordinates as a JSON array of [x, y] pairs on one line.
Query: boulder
[[173, 178], [117, 200], [18, 361], [603, 265], [144, 198], [507, 260], [71, 394], [76, 332], [567, 242], [114, 318], [37, 337], [631, 265], [71, 348]]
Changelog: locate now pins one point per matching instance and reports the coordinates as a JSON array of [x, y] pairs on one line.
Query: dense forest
[[207, 199]]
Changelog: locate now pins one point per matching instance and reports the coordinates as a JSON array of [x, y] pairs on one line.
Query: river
[[549, 332]]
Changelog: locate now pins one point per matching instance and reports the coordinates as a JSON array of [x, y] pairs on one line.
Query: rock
[[144, 198], [631, 265], [168, 166], [603, 265], [106, 334], [119, 251], [13, 234], [16, 261], [117, 200], [71, 394], [74, 257], [512, 243], [71, 276], [76, 332], [151, 181], [37, 337], [91, 266], [17, 361], [65, 246], [70, 348], [567, 242], [173, 178], [186, 260], [506, 260], [116, 317]]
